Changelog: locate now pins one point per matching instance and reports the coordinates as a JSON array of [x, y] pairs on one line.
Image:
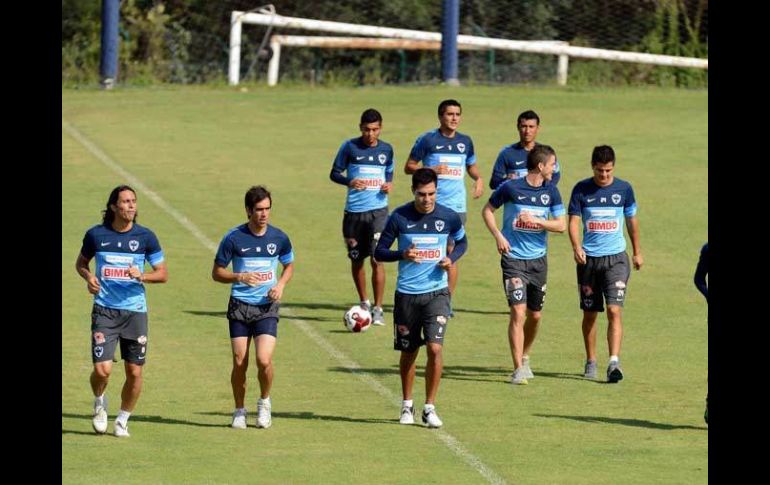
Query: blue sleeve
[[470, 158], [389, 167], [383, 252], [501, 195], [556, 174], [461, 240], [286, 255], [418, 150], [340, 165], [557, 208], [629, 208], [498, 171], [460, 247], [575, 207], [701, 271], [153, 250], [224, 253], [88, 249]]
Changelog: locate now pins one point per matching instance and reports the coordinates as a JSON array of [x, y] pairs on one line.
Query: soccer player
[[531, 208], [448, 152], [255, 249], [511, 162], [701, 271], [422, 298], [368, 165], [603, 202], [119, 315]]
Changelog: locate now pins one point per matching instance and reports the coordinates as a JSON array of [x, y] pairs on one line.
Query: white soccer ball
[[357, 319]]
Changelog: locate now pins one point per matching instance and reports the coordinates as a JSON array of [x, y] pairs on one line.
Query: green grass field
[[335, 397]]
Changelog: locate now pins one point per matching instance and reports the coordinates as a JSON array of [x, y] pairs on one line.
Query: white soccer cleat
[[100, 416], [264, 418], [121, 430], [431, 419], [239, 419], [407, 415], [378, 316]]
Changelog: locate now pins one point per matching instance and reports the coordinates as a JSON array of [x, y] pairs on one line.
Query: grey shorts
[[240, 311], [524, 281], [109, 325], [603, 276], [361, 231], [420, 318]]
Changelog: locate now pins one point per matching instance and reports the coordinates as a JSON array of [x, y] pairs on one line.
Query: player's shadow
[[203, 313], [309, 415], [142, 419], [329, 306], [457, 372], [565, 375], [458, 310], [284, 316], [638, 423]]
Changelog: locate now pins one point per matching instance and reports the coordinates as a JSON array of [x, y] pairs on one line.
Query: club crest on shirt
[[461, 147], [381, 158], [545, 199], [133, 245], [439, 225], [616, 199], [271, 248]]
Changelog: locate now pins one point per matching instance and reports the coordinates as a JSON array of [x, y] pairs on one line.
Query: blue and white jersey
[[512, 159], [432, 148], [603, 210], [372, 164], [254, 254], [115, 252], [429, 233], [527, 241]]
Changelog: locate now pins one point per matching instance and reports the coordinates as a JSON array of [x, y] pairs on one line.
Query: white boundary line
[[450, 441]]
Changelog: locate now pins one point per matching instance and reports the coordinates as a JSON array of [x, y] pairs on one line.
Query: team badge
[[98, 351], [461, 147], [271, 248], [381, 158], [439, 225], [518, 294], [545, 199], [616, 199], [133, 245]]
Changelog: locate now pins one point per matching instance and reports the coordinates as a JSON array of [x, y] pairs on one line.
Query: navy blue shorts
[[252, 320]]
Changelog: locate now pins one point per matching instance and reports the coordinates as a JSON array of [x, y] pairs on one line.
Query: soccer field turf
[[336, 394]]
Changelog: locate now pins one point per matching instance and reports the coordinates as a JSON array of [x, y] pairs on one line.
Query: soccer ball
[[357, 319]]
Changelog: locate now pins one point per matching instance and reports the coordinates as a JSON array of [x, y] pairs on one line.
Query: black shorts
[[109, 325], [361, 231], [603, 276], [420, 318], [524, 281], [252, 320]]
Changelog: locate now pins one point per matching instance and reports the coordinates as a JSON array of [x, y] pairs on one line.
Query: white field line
[[449, 441]]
